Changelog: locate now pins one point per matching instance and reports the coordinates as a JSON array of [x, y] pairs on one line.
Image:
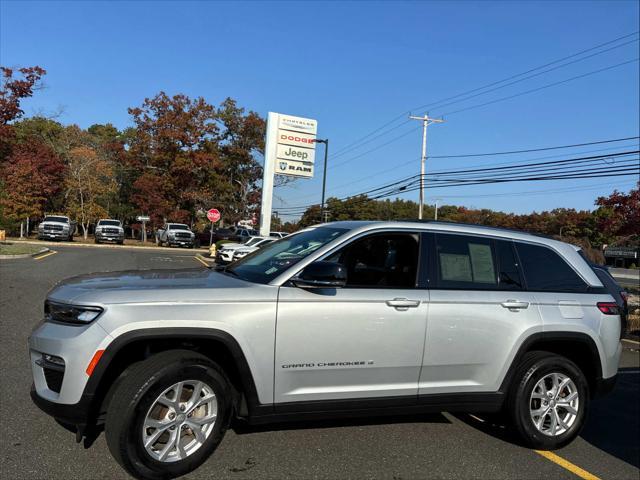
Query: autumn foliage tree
[[192, 156], [89, 180], [32, 176]]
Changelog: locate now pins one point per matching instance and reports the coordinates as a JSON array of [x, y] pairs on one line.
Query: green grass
[[18, 249]]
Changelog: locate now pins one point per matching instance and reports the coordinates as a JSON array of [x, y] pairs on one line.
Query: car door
[[361, 341], [478, 314]]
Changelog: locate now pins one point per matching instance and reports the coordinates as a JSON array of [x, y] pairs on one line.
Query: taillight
[[608, 308]]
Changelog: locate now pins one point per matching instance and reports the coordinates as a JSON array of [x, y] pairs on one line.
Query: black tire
[[534, 366], [121, 242], [140, 386], [96, 240]]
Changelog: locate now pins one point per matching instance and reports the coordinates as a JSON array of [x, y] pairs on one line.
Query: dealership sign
[[290, 149], [295, 144]]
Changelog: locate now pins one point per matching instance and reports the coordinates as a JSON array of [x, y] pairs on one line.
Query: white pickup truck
[[175, 235], [56, 227]]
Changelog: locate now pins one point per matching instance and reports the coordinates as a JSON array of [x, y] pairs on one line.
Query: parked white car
[[246, 250], [226, 250]]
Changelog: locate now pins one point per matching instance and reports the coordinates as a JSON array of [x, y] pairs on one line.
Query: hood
[[137, 286], [228, 246]]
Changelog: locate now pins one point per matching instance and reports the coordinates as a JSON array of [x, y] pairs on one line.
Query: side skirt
[[373, 407]]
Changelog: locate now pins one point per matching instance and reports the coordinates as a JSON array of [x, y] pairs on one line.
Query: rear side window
[[546, 271], [466, 262], [508, 272]]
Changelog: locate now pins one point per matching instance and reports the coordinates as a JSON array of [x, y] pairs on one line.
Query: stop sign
[[213, 215]]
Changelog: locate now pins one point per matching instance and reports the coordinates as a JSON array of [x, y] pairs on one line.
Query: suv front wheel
[[168, 414], [548, 401]]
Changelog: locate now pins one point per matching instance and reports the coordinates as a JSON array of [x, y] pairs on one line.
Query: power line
[[342, 150], [549, 172], [593, 72], [542, 149]]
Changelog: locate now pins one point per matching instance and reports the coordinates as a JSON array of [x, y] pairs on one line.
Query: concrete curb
[[103, 245], [25, 255]]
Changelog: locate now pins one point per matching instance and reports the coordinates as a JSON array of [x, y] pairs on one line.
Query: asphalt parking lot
[[33, 446]]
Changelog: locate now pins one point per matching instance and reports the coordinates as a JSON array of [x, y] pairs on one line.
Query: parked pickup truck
[[175, 234], [56, 227], [108, 230]]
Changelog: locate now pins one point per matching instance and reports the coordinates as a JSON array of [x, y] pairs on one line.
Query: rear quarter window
[[547, 271]]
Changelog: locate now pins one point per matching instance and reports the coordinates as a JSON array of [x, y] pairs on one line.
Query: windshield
[[178, 226], [110, 223], [253, 241], [268, 262], [56, 219]]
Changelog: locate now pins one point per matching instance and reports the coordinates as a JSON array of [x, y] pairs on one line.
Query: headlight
[[71, 314]]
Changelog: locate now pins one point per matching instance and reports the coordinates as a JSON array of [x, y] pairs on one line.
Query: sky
[[355, 67]]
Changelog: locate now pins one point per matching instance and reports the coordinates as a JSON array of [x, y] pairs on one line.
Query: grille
[[111, 231], [53, 228], [183, 235], [54, 378]]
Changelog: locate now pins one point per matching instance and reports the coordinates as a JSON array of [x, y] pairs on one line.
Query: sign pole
[[270, 147], [211, 234]]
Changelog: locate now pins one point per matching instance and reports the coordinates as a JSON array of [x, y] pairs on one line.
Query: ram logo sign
[[295, 168]]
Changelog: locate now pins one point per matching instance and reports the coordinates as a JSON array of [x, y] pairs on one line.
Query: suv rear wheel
[[168, 414], [548, 401]]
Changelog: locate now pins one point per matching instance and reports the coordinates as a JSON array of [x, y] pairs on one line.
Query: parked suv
[[108, 230], [372, 318]]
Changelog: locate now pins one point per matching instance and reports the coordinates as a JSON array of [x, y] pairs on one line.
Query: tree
[[31, 177], [190, 156], [16, 86], [88, 182], [619, 213]]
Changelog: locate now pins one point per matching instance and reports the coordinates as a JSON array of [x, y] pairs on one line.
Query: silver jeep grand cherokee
[[346, 318]]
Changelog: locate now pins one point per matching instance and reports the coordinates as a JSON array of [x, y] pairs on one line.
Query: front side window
[[270, 261], [465, 262], [546, 271], [385, 260]]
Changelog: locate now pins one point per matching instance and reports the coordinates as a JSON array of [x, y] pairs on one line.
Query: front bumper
[[78, 414], [52, 235], [110, 237], [181, 242], [605, 386]]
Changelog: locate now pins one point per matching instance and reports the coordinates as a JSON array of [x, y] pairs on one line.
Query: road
[[33, 446]]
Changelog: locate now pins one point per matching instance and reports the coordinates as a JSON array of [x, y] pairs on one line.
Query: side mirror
[[322, 275]]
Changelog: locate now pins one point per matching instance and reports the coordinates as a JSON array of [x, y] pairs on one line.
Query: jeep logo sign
[[295, 153]]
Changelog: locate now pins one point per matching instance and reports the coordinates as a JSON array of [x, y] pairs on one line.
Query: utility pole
[[426, 121], [324, 175]]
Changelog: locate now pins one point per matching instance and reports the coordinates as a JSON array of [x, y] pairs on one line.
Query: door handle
[[515, 305], [403, 304]]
